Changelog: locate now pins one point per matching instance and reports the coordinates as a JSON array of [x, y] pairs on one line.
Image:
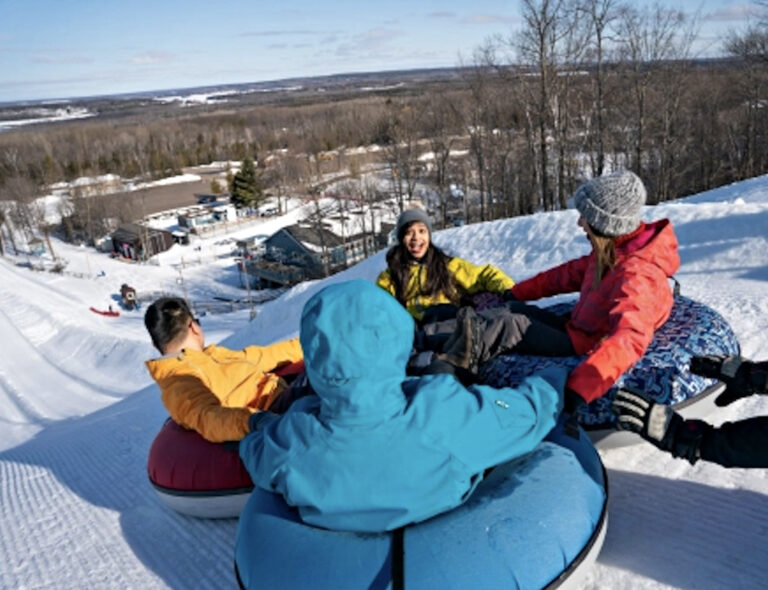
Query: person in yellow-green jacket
[[212, 389], [429, 283]]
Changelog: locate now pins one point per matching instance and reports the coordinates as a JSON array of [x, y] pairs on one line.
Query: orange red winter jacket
[[614, 323], [214, 391]]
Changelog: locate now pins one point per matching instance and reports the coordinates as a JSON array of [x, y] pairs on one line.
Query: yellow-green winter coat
[[470, 278]]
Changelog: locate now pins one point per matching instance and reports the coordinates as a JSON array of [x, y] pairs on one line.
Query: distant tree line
[[584, 86]]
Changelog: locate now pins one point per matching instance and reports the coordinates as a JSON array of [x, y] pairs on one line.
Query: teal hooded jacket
[[375, 450]]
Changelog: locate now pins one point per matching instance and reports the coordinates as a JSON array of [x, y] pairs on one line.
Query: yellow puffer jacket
[[215, 391], [469, 277]]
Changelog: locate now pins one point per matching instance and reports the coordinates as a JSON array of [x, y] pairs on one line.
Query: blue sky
[[69, 48]]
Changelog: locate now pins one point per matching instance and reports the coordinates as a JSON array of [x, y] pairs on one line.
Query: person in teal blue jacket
[[375, 450]]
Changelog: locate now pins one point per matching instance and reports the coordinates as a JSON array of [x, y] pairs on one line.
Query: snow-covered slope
[[79, 412]]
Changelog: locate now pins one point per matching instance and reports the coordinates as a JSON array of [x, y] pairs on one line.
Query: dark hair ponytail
[[166, 320]]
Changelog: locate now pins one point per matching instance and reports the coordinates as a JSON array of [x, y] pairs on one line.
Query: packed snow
[[79, 411], [41, 114], [198, 98]]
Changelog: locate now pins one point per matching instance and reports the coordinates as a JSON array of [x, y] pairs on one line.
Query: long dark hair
[[166, 320], [439, 279]]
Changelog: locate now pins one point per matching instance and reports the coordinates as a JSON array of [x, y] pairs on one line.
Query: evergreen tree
[[247, 190], [215, 187]]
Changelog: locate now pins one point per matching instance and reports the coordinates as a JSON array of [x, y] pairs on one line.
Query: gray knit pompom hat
[[410, 216], [612, 204]]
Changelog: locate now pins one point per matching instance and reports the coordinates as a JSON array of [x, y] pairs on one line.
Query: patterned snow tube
[[535, 522], [196, 477], [693, 329]]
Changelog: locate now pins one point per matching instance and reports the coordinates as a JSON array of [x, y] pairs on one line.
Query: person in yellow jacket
[[430, 284], [212, 389]]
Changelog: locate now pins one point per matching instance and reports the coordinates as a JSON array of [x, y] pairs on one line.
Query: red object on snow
[[200, 478], [291, 370], [182, 460], [195, 476], [110, 313]]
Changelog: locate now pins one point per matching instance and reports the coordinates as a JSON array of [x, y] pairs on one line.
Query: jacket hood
[[655, 243], [165, 366], [356, 340]]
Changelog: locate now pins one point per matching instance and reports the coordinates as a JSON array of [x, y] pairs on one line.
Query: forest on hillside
[[583, 87]]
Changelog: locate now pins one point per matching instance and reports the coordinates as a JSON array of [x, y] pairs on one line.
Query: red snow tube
[[196, 477], [110, 313]]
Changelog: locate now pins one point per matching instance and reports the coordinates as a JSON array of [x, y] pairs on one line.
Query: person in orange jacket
[[624, 295], [212, 389]]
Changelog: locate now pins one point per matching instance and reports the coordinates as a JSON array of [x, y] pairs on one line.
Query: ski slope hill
[[79, 412]]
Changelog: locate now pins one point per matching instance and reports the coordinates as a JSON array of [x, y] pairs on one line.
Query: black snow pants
[[513, 327]]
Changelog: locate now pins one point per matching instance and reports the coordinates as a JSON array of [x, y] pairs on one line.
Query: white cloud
[[732, 13], [372, 41], [151, 57], [278, 33], [61, 59]]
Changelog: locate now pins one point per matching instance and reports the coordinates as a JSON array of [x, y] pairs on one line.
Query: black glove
[[659, 424], [508, 295], [742, 378], [438, 367], [572, 401]]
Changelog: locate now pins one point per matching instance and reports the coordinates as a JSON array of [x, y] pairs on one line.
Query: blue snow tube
[[535, 522], [692, 329]]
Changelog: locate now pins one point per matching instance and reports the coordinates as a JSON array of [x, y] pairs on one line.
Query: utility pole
[[181, 282], [87, 260], [248, 288]]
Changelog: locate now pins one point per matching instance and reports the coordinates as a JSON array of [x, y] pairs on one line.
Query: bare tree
[[354, 189], [671, 120], [341, 194], [572, 54], [401, 150], [287, 172], [479, 123], [369, 201], [544, 24], [752, 43], [600, 14], [314, 199], [371, 198], [648, 38], [2, 227], [750, 48], [713, 162], [441, 120], [492, 115], [23, 214]]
